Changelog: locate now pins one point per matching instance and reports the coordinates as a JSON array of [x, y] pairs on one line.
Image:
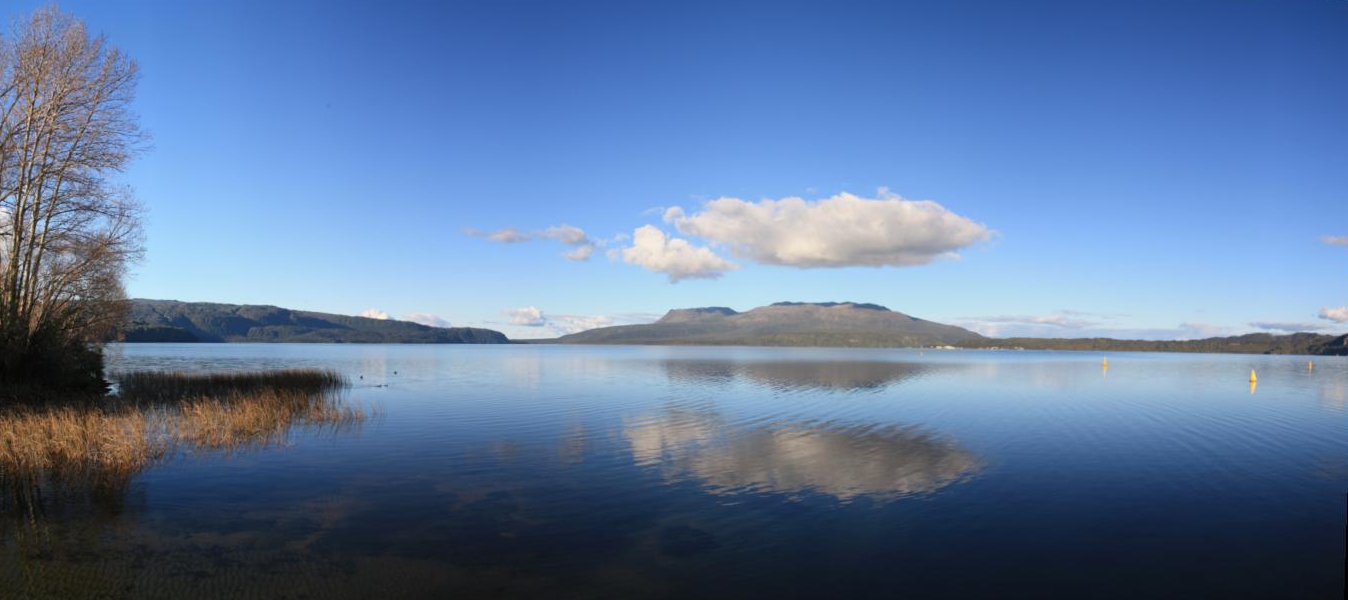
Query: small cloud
[[582, 246], [1204, 329], [566, 234], [842, 231], [528, 316], [1062, 319], [565, 324], [374, 313], [505, 235], [580, 254], [652, 250], [1081, 324], [1337, 315], [509, 236], [1281, 326], [562, 324], [426, 319], [1335, 240]]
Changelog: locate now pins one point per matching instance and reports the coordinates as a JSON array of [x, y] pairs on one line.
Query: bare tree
[[67, 233]]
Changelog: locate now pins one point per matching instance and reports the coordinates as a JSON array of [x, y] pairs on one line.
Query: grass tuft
[[170, 386]]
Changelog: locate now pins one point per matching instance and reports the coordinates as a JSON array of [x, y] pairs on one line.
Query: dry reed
[[101, 444]]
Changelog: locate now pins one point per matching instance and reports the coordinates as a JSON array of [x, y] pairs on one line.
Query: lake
[[529, 471]]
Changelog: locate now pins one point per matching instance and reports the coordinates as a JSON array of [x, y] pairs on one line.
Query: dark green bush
[[49, 360]]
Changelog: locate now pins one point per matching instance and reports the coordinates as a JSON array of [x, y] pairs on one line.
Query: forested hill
[[1253, 343], [173, 321]]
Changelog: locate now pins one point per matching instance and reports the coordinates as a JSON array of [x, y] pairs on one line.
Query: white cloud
[[841, 231], [1337, 315], [1335, 240], [655, 251], [374, 313], [1281, 326], [528, 316], [427, 319]]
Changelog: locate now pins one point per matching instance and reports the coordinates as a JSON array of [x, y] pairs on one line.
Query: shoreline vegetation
[[57, 449], [69, 229]]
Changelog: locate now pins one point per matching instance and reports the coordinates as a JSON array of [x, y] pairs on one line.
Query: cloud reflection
[[843, 461], [1333, 393], [787, 374]]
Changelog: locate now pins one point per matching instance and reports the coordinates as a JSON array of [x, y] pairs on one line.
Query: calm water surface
[[618, 472]]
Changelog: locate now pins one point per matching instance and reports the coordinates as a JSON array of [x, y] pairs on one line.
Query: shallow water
[[558, 471]]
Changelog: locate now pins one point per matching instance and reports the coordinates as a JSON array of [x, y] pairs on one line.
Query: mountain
[[783, 324], [173, 321]]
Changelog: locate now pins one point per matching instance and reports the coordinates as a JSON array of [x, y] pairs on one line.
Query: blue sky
[[1139, 169]]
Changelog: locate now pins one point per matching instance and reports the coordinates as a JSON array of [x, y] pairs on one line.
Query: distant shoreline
[[1045, 345]]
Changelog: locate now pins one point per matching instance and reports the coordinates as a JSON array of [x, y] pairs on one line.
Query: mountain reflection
[[787, 374], [845, 462]]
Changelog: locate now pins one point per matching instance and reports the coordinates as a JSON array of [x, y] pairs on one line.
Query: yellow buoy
[[1252, 377], [1310, 365], [1105, 362]]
